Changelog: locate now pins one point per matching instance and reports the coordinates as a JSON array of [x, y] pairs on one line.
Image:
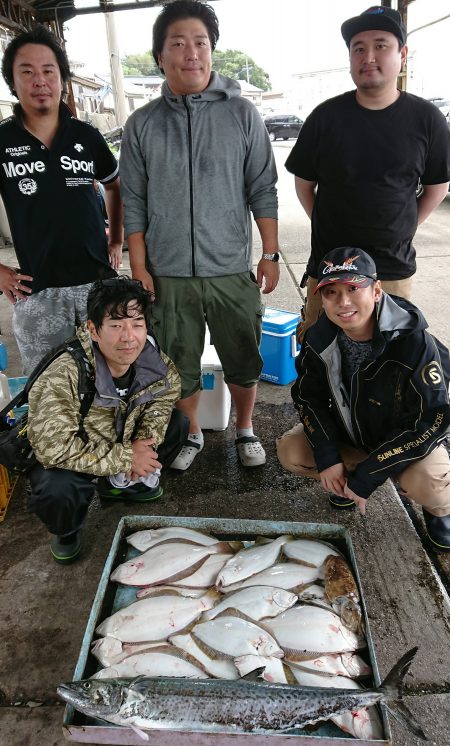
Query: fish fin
[[231, 611], [290, 678], [212, 596], [260, 540], [186, 572], [141, 733], [301, 562], [222, 547], [235, 546], [293, 656], [139, 686], [254, 675], [299, 589], [183, 655], [162, 592], [404, 716]]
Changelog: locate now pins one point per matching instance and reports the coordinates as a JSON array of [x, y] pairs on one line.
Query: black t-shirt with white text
[[57, 228]]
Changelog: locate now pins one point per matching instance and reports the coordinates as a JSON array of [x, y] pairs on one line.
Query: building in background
[[150, 85]]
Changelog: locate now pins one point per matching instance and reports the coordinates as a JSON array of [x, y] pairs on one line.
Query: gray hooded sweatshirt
[[192, 167]]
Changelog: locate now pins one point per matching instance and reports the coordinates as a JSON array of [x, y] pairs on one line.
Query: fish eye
[[87, 685]]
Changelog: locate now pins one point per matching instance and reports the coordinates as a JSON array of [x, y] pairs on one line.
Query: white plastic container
[[5, 395], [215, 400]]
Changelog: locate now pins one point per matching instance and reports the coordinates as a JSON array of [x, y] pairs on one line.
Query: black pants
[[60, 498]]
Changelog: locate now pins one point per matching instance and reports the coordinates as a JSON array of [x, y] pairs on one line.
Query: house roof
[[21, 12], [248, 87]]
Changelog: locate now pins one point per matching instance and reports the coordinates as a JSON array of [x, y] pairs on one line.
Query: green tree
[[231, 62], [140, 64], [236, 65]]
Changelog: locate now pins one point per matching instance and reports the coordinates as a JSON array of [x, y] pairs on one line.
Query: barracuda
[[144, 704]]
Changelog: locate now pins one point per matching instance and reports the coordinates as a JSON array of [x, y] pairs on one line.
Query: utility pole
[[120, 103]]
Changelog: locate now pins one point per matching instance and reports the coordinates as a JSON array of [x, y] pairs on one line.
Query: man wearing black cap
[[372, 396], [359, 157]]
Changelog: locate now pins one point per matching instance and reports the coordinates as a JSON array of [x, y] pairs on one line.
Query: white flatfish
[[143, 540], [109, 650], [287, 575], [335, 664], [309, 552], [232, 636], [308, 631], [165, 564], [255, 602], [250, 561], [156, 617], [160, 661], [206, 575]]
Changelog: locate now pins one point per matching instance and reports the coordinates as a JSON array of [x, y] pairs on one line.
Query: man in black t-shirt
[[359, 158], [48, 163]]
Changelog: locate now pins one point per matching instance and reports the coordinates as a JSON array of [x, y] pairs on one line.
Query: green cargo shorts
[[232, 308]]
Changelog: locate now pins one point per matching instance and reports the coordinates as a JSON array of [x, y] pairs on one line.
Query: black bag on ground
[[16, 453]]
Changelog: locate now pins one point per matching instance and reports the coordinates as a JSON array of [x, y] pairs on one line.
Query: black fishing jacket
[[397, 409]]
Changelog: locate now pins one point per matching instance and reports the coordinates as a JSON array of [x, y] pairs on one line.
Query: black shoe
[[341, 503], [438, 530], [139, 492], [65, 549]]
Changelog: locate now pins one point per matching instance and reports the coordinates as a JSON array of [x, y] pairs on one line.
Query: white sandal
[[186, 455], [250, 451]]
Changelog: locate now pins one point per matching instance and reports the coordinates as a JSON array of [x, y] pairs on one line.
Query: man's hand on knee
[[334, 478]]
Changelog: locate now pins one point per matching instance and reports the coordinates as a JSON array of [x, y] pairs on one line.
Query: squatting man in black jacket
[[372, 397]]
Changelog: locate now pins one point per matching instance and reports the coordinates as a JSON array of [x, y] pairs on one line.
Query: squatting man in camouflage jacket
[[372, 396], [131, 428]]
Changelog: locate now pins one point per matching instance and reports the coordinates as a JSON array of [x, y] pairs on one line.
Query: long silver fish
[[145, 704]]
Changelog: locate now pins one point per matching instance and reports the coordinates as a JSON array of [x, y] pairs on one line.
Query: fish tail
[[404, 716], [222, 547], [392, 684], [210, 598], [392, 688]]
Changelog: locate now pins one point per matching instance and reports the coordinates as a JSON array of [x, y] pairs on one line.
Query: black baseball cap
[[348, 266], [373, 19]]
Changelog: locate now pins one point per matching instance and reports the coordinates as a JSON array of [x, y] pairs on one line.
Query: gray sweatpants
[[46, 319]]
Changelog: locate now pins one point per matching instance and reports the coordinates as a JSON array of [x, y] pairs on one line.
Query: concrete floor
[[44, 607]]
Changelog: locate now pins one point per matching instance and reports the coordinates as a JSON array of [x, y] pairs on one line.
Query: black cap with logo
[[373, 19], [346, 265]]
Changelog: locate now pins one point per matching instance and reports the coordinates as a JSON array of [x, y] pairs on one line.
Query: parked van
[[282, 126]]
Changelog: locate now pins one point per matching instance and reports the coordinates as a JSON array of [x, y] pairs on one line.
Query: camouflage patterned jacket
[[111, 423]]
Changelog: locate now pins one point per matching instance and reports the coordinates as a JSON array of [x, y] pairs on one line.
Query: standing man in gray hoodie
[[194, 163]]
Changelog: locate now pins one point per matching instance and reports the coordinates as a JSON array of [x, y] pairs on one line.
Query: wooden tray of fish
[[215, 665]]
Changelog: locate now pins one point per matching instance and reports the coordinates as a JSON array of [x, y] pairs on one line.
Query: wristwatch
[[271, 257]]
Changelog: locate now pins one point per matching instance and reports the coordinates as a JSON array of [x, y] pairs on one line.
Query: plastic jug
[[5, 395]]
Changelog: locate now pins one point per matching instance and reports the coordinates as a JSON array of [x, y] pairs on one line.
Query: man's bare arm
[[431, 197], [306, 193]]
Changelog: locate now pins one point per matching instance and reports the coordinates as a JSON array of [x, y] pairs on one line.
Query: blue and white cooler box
[[279, 346], [215, 401]]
